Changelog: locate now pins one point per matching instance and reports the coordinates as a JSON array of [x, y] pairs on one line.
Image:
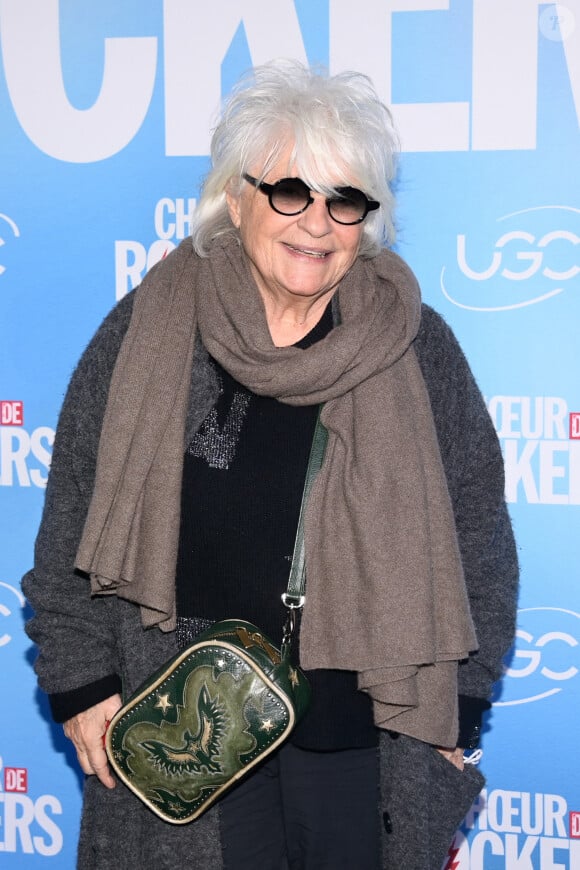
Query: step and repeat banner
[[105, 117]]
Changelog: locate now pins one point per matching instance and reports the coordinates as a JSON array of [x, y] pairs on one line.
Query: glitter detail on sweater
[[188, 629], [217, 444]]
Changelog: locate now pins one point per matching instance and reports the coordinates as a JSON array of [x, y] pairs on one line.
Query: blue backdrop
[[105, 113]]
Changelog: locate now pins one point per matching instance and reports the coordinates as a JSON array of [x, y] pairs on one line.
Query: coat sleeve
[[474, 468], [77, 655]]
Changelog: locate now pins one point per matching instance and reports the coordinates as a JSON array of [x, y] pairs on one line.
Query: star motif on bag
[[163, 702], [266, 725]]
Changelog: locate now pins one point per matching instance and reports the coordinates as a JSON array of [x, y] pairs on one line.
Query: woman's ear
[[233, 203]]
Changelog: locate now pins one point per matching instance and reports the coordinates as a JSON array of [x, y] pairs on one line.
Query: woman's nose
[[316, 219]]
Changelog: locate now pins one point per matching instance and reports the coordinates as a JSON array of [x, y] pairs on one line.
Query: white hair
[[342, 134]]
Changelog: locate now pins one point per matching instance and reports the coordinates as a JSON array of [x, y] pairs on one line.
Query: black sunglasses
[[291, 196]]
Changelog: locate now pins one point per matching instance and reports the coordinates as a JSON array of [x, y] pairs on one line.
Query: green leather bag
[[216, 709], [205, 719]]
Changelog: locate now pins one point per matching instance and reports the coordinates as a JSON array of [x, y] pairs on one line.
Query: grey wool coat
[[82, 640]]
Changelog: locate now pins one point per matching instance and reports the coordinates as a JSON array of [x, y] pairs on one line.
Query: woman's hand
[[86, 730], [455, 756]]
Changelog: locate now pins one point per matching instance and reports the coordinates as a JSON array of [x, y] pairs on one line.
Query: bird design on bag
[[197, 752]]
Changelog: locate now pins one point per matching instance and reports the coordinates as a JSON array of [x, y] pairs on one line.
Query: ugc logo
[[9, 596], [529, 257], [8, 231], [546, 656]]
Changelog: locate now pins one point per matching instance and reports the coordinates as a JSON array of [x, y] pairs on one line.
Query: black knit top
[[242, 486]]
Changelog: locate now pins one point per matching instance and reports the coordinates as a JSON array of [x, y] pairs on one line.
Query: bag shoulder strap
[[293, 598]]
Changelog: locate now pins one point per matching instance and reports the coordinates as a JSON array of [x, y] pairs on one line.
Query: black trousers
[[304, 810]]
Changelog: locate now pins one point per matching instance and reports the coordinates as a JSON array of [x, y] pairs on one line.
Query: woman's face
[[292, 258]]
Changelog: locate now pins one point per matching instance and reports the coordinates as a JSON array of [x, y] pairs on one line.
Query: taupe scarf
[[385, 589]]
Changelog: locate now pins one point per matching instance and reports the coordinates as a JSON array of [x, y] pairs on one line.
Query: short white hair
[[342, 134]]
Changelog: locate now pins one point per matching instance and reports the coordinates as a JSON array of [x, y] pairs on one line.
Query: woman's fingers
[[86, 730]]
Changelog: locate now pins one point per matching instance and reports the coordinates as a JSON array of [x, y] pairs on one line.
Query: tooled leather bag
[[215, 710]]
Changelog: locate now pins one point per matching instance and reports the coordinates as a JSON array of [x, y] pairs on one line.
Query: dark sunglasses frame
[[343, 192]]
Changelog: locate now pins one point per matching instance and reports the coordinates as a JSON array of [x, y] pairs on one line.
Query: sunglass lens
[[290, 196], [349, 206]]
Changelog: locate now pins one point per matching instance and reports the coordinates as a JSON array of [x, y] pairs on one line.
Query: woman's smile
[[309, 252]]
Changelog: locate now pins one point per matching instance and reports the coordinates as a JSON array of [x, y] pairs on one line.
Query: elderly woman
[[175, 489]]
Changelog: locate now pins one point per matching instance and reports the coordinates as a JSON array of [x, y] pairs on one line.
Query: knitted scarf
[[385, 592]]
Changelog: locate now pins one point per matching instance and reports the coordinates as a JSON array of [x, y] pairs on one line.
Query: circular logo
[[557, 22], [14, 232], [5, 610], [545, 659]]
